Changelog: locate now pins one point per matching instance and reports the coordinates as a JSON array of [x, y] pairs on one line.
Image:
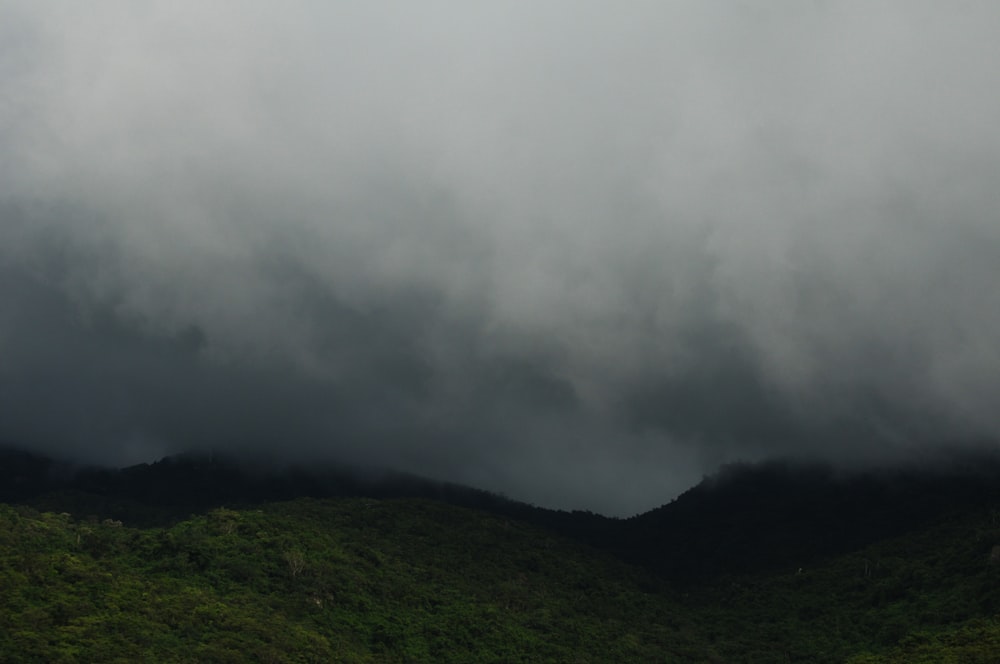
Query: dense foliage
[[762, 564], [925, 592], [351, 580]]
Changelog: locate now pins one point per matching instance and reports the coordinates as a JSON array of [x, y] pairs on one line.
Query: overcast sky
[[577, 252]]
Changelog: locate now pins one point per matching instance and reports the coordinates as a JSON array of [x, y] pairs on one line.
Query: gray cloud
[[573, 254]]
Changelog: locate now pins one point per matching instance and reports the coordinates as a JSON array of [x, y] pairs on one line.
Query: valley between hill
[[91, 573]]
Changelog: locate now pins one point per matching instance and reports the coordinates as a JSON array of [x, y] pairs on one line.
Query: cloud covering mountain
[[575, 253]]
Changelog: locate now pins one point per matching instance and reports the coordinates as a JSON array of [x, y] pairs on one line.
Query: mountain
[[332, 580], [202, 559], [782, 515]]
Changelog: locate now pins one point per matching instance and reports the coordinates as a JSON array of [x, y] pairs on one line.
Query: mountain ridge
[[776, 513], [197, 559]]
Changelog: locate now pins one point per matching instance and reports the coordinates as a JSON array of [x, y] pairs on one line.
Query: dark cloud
[[577, 255]]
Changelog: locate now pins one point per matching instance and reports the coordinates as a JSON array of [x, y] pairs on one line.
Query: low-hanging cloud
[[573, 253]]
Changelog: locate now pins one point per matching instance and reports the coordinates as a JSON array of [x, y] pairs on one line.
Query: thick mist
[[574, 253]]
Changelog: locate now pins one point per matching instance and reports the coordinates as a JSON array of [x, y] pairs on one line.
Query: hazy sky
[[577, 252]]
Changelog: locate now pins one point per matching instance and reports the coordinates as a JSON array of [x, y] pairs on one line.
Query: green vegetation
[[771, 566], [350, 580], [929, 596]]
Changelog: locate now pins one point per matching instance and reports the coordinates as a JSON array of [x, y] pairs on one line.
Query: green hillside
[[761, 564], [352, 580], [930, 596]]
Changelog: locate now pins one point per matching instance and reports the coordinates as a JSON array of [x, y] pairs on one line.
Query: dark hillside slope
[[775, 562], [173, 488], [783, 515], [929, 596], [748, 517]]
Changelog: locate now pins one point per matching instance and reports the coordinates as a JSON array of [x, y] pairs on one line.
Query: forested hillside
[[192, 560], [352, 580]]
